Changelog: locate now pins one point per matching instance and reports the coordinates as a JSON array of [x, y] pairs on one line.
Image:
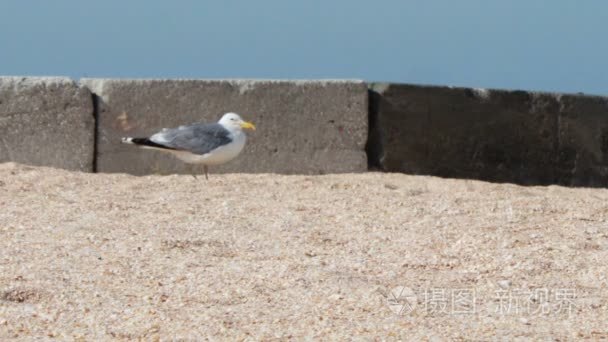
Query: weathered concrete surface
[[582, 156], [495, 135], [308, 127], [46, 121]]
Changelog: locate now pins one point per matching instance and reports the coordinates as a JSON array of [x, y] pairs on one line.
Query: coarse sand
[[263, 256]]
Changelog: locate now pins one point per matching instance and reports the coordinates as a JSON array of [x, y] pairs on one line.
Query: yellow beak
[[248, 125]]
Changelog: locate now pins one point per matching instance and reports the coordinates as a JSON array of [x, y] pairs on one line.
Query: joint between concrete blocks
[[95, 100]]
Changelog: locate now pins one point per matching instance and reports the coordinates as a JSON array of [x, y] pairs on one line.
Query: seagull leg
[[206, 172], [192, 172]]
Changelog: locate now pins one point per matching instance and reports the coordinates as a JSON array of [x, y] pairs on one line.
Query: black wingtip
[[144, 142]]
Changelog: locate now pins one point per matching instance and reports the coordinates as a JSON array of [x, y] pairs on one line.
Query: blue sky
[[552, 45]]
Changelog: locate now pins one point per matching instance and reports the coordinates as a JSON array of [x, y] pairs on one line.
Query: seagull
[[206, 144]]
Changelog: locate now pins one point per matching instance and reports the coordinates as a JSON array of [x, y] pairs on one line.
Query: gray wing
[[198, 139]]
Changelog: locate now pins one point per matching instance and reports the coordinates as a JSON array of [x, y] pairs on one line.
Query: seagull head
[[234, 121]]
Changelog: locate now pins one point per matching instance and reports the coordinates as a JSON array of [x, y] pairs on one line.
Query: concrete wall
[[303, 127], [46, 121], [313, 127], [495, 135]]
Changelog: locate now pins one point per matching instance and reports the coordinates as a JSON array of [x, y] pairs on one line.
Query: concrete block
[[303, 127], [495, 135], [582, 156], [46, 121]]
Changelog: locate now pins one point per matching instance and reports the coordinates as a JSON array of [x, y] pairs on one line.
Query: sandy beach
[[262, 256]]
